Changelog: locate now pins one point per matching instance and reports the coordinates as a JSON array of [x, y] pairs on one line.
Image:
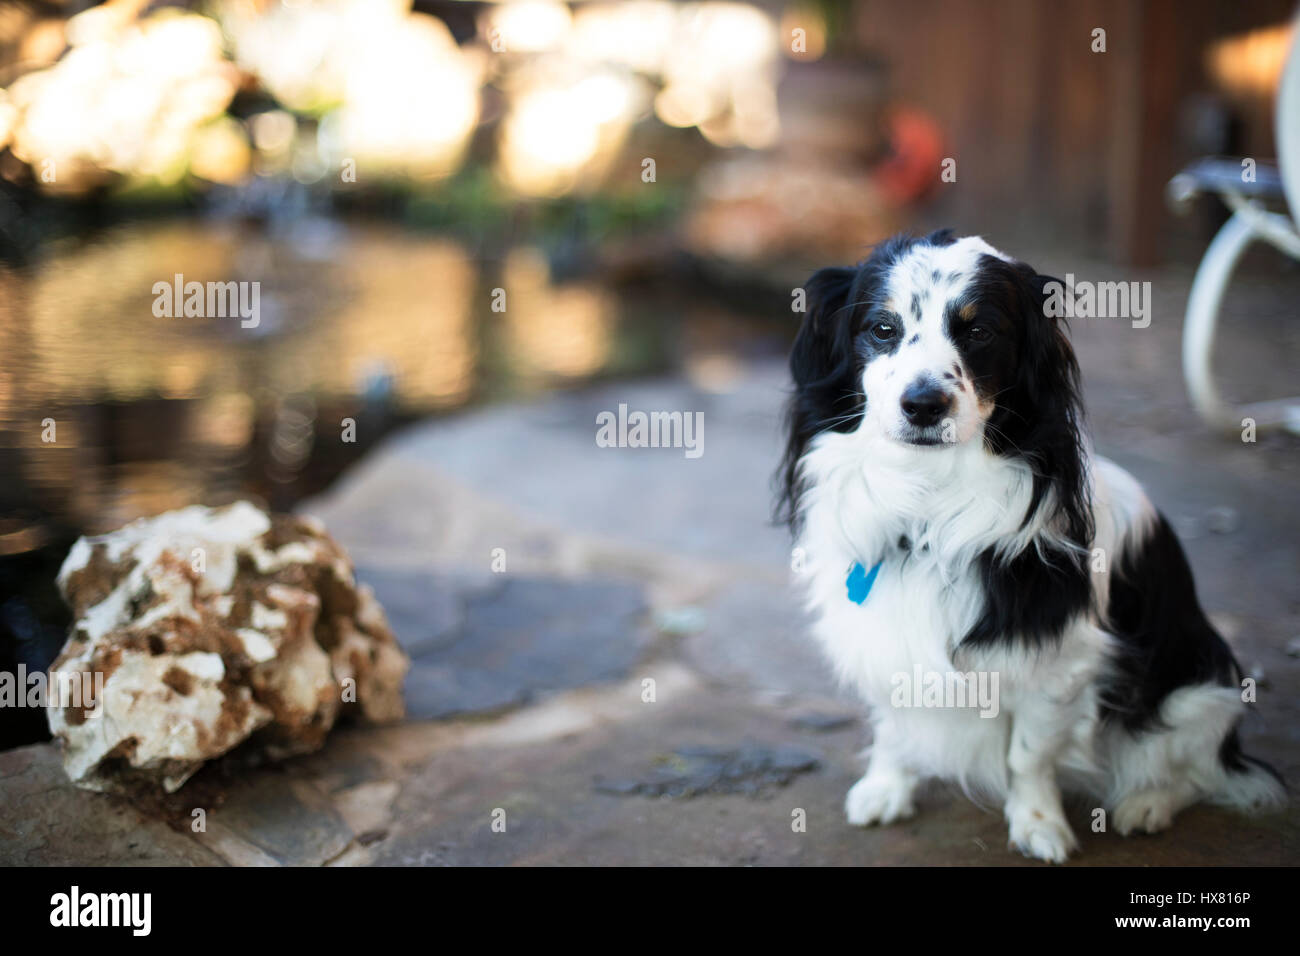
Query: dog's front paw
[[880, 799], [1041, 834]]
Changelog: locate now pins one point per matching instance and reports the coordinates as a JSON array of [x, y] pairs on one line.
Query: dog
[[950, 519]]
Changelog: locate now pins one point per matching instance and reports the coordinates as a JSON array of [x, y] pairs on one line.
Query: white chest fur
[[927, 515], [910, 620]]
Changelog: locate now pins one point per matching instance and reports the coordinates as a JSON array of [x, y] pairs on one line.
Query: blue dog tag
[[860, 580]]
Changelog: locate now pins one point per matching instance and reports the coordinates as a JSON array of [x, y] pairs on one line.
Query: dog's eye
[[884, 331], [979, 333]]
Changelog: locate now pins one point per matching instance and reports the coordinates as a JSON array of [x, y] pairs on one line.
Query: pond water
[[110, 410]]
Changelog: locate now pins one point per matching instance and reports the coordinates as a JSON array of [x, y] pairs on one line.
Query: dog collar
[[860, 580]]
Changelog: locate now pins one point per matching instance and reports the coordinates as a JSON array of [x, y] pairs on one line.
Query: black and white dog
[[952, 521]]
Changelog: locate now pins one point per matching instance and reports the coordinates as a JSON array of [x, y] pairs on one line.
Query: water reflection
[[561, 331], [368, 324]]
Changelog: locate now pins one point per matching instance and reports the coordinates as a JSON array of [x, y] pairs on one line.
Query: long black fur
[[1032, 596], [1166, 641]]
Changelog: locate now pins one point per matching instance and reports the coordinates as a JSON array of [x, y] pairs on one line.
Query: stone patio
[[634, 688]]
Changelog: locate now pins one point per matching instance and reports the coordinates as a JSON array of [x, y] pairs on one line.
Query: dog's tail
[[1246, 783]]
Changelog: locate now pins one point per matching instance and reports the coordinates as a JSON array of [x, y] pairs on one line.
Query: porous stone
[[200, 629]]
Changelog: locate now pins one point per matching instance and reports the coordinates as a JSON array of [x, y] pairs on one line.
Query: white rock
[[202, 628]]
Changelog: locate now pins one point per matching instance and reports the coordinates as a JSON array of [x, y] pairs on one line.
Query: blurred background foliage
[[451, 110]]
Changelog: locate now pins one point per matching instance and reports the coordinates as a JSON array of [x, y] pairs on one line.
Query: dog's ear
[[1034, 594], [1046, 420], [819, 348], [821, 364]]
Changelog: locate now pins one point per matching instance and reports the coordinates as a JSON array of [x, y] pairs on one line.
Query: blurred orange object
[[911, 170]]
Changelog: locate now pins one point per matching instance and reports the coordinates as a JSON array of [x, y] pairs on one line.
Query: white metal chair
[[1250, 221]]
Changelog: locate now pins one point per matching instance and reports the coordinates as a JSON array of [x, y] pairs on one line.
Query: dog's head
[[933, 343]]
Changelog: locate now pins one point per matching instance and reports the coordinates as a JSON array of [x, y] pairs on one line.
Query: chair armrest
[[1219, 175]]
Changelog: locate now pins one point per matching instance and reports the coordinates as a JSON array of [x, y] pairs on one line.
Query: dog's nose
[[924, 403]]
